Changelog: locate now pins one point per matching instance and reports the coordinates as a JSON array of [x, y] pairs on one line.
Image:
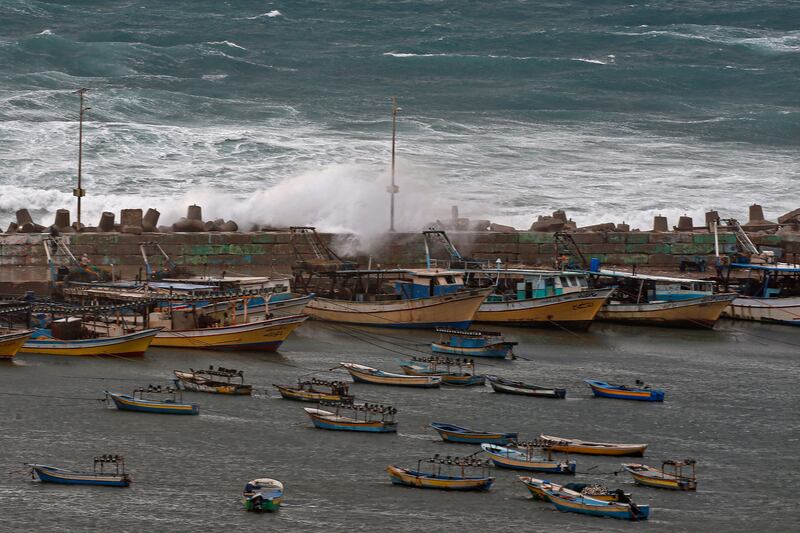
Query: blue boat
[[169, 406], [369, 418], [453, 433], [522, 457], [641, 392], [472, 343], [617, 506], [62, 476]]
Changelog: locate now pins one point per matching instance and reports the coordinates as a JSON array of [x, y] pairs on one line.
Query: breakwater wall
[[23, 257]]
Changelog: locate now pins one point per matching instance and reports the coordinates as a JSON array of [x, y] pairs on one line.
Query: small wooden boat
[[310, 391], [598, 492], [265, 335], [517, 387], [369, 418], [366, 374], [53, 474], [653, 477], [569, 445], [453, 433], [142, 401], [641, 391], [217, 381], [472, 343], [567, 501], [522, 457], [11, 342], [435, 479], [127, 345], [263, 494], [460, 372]]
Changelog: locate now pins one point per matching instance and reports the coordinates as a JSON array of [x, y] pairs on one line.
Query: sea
[[280, 113], [730, 404]]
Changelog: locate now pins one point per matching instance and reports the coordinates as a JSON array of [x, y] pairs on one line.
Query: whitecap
[[584, 60], [228, 43], [272, 14], [214, 77], [45, 32]]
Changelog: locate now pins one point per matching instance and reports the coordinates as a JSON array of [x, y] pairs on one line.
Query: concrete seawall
[[23, 258]]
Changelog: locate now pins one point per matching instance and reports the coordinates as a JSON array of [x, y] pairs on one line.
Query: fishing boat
[[660, 300], [370, 418], [517, 387], [263, 494], [146, 400], [459, 372], [673, 479], [598, 492], [569, 501], [98, 475], [55, 341], [366, 374], [769, 294], [472, 343], [12, 341], [453, 433], [310, 390], [265, 335], [523, 457], [455, 476], [569, 445], [641, 391], [215, 380]]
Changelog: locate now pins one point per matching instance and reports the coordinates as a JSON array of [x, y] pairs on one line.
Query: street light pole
[[79, 192], [393, 189]]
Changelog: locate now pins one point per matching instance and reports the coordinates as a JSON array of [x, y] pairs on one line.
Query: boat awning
[[645, 277], [783, 268]]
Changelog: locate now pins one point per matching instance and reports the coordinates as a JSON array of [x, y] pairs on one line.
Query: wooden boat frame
[[675, 480], [462, 435], [507, 386], [306, 391], [216, 381], [562, 444]]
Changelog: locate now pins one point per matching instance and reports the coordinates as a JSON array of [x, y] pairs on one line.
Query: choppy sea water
[[279, 112], [731, 403]]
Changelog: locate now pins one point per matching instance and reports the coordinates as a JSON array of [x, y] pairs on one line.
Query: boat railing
[[435, 361], [437, 462], [336, 387], [530, 448], [368, 410], [228, 373], [176, 393], [117, 460], [677, 469]]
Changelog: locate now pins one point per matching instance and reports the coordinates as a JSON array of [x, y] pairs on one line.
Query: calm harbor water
[[731, 404]]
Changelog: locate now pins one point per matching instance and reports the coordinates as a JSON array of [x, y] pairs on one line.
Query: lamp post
[[79, 192], [393, 189]]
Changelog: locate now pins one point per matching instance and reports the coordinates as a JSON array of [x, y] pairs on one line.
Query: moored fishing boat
[[376, 418], [459, 372], [310, 391], [472, 343], [125, 345], [63, 476], [366, 374], [525, 389], [217, 381], [641, 391], [660, 478], [770, 293], [263, 494], [522, 457], [12, 341], [569, 445], [142, 400], [265, 335], [435, 479], [453, 433], [568, 501], [598, 492]]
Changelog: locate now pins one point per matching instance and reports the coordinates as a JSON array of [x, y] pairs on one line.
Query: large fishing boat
[[660, 300], [454, 477], [770, 293], [11, 341], [58, 340], [265, 335]]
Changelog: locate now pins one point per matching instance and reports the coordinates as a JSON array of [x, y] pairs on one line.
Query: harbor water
[[731, 403]]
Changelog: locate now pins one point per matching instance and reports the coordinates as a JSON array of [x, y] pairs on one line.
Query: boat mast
[[393, 189], [79, 192]]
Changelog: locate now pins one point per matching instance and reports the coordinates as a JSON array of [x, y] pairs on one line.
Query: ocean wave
[[45, 32], [478, 56], [271, 14], [766, 40], [585, 60], [228, 43]]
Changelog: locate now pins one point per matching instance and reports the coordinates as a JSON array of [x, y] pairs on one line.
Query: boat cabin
[[647, 288], [526, 284], [424, 283]]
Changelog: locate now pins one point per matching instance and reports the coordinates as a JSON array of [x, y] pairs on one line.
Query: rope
[[47, 396]]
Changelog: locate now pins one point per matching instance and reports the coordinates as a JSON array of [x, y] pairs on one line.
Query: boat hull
[[339, 424], [656, 479], [269, 505], [603, 390], [231, 389], [511, 462], [290, 393], [266, 336], [701, 312], [361, 376], [784, 311], [130, 345], [452, 310], [573, 311], [505, 388], [495, 350], [11, 343], [585, 448], [128, 403], [601, 508], [447, 379], [473, 437], [412, 478], [47, 474]]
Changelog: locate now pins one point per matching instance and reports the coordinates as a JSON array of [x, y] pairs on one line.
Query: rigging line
[[47, 396]]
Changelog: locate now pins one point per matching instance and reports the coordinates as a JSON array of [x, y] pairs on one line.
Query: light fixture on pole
[[79, 192], [393, 189]]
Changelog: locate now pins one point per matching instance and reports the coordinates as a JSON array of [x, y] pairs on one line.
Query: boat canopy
[[780, 268]]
